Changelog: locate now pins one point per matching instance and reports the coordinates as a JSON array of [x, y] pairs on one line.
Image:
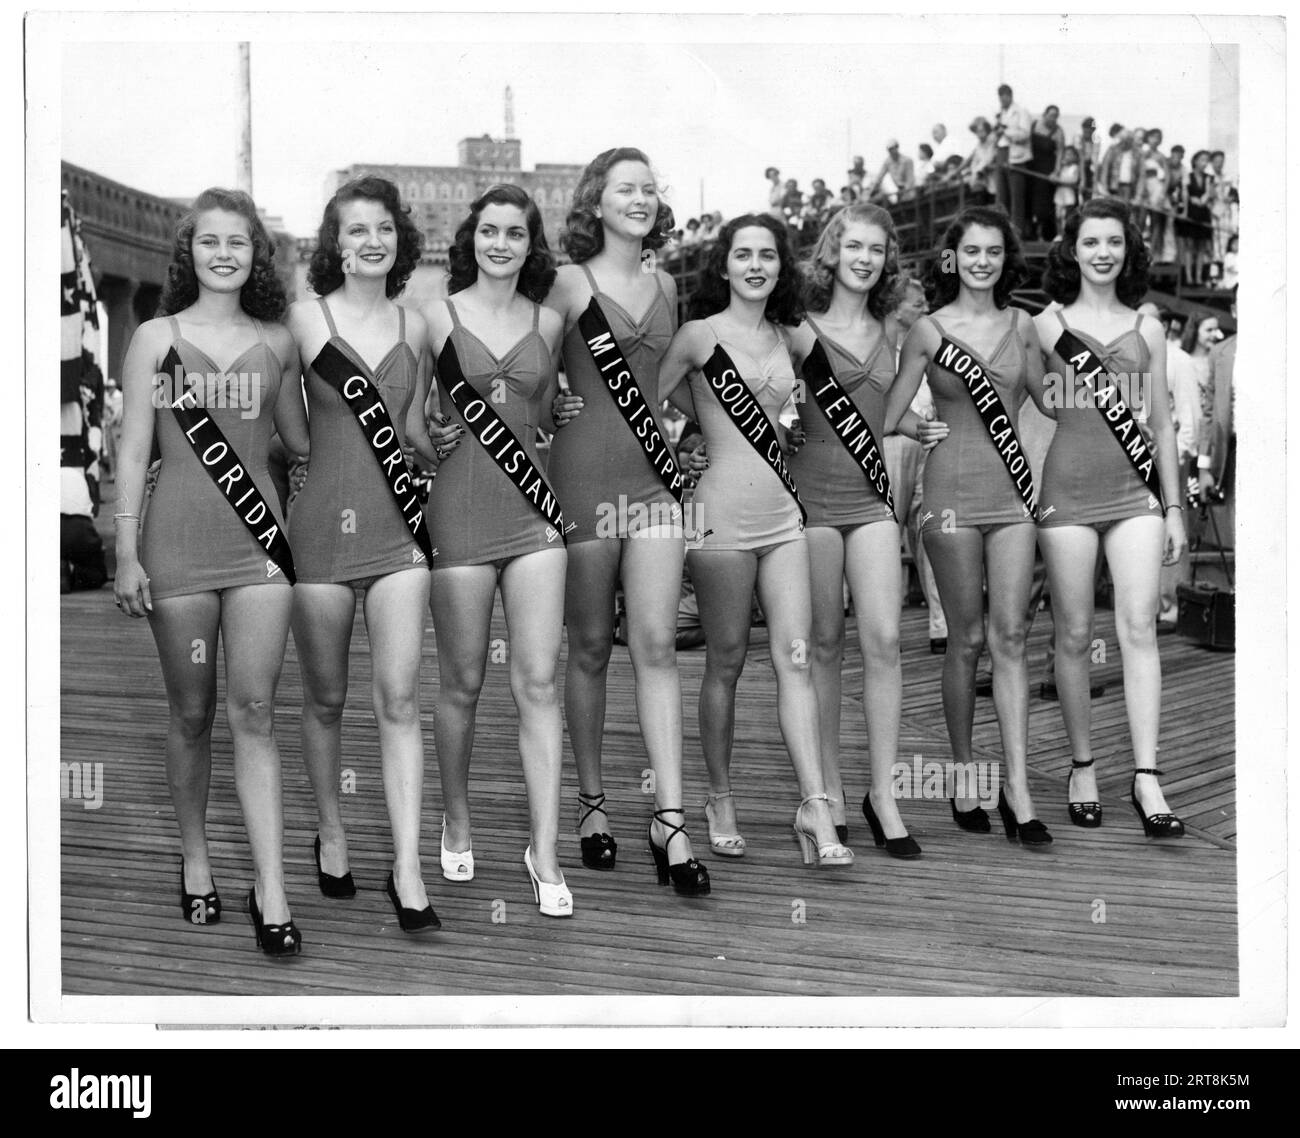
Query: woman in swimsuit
[[627, 522], [974, 522], [1092, 496], [749, 522], [349, 528], [201, 573], [852, 532], [496, 350]]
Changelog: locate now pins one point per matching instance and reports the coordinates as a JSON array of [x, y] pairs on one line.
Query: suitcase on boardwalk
[[1207, 614]]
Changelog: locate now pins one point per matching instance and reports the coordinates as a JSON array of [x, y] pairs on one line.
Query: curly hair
[[538, 273], [784, 305], [262, 296], [1062, 279], [584, 235], [819, 268], [945, 281], [325, 273]]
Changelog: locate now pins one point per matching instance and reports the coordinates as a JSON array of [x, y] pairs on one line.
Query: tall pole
[[244, 166]]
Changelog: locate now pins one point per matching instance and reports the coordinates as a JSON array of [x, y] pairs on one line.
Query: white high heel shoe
[[814, 852], [552, 900], [455, 866]]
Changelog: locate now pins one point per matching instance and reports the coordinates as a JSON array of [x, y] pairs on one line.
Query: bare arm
[[290, 408], [920, 343], [688, 351], [417, 423], [1166, 443], [1038, 382]]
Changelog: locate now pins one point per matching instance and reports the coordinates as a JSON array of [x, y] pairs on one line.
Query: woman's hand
[[795, 437], [565, 407], [697, 462], [1175, 537], [931, 432], [131, 589], [444, 434]]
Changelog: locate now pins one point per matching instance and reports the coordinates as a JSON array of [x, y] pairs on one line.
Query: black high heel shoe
[[274, 940], [1156, 825], [1085, 814], [200, 908], [411, 920], [972, 821], [904, 847], [1032, 834], [331, 886], [689, 878], [598, 850]]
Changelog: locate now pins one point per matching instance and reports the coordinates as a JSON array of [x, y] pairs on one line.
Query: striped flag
[[81, 383]]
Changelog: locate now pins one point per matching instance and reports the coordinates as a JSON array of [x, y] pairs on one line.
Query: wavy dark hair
[[1061, 278], [538, 273], [945, 281], [819, 268], [784, 305], [262, 296], [325, 273], [584, 235]]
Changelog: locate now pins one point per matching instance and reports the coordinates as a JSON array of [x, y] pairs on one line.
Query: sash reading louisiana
[[993, 413], [617, 375], [228, 473]]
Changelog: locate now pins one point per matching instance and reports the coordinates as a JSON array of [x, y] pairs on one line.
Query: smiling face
[[753, 263], [1100, 250], [222, 248], [863, 250], [629, 204], [981, 255], [501, 243], [1207, 333], [367, 238]]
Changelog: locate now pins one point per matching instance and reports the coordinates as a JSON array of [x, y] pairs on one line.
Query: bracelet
[[119, 517], [1175, 506]]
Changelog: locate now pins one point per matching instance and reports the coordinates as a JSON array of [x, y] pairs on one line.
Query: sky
[[152, 101]]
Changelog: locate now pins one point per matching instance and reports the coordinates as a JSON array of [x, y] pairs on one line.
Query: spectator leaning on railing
[[897, 178], [1012, 125]]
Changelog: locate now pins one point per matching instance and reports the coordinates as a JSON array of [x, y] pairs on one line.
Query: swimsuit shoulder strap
[[537, 316], [455, 319], [591, 280], [1061, 317], [401, 324], [261, 332], [175, 326], [329, 317]]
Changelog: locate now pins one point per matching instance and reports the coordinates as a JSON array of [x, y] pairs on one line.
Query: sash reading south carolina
[[618, 378], [847, 422], [723, 378], [367, 405], [1114, 411], [500, 442], [218, 458], [997, 420]]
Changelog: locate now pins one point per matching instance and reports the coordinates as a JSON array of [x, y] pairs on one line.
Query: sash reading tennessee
[[500, 442], [372, 416], [631, 404], [997, 420], [218, 458]]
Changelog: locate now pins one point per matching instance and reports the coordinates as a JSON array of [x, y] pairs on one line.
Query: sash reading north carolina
[[847, 422], [218, 458], [723, 378], [617, 375], [500, 442], [997, 420], [1114, 411], [367, 405]]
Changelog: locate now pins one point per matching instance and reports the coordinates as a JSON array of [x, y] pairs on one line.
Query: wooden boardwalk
[[977, 916]]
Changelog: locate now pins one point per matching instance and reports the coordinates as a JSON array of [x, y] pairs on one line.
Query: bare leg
[[826, 557], [185, 629], [532, 590], [395, 608], [322, 634], [255, 627]]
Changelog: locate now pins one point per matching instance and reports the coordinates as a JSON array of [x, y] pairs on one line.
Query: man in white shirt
[[1012, 125], [942, 145]]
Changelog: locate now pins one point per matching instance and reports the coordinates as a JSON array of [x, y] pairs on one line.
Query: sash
[[997, 420], [218, 458], [751, 420], [631, 404], [848, 424], [1114, 411], [500, 443], [372, 417]]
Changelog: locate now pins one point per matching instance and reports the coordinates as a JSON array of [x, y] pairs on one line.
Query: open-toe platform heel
[[200, 908], [1156, 825], [814, 852], [1085, 814], [598, 850], [724, 845], [274, 940], [689, 877]]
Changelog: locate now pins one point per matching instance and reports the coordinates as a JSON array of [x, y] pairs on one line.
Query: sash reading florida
[[617, 375], [500, 442], [997, 420], [847, 422], [218, 458], [372, 417], [723, 378], [1114, 411]]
